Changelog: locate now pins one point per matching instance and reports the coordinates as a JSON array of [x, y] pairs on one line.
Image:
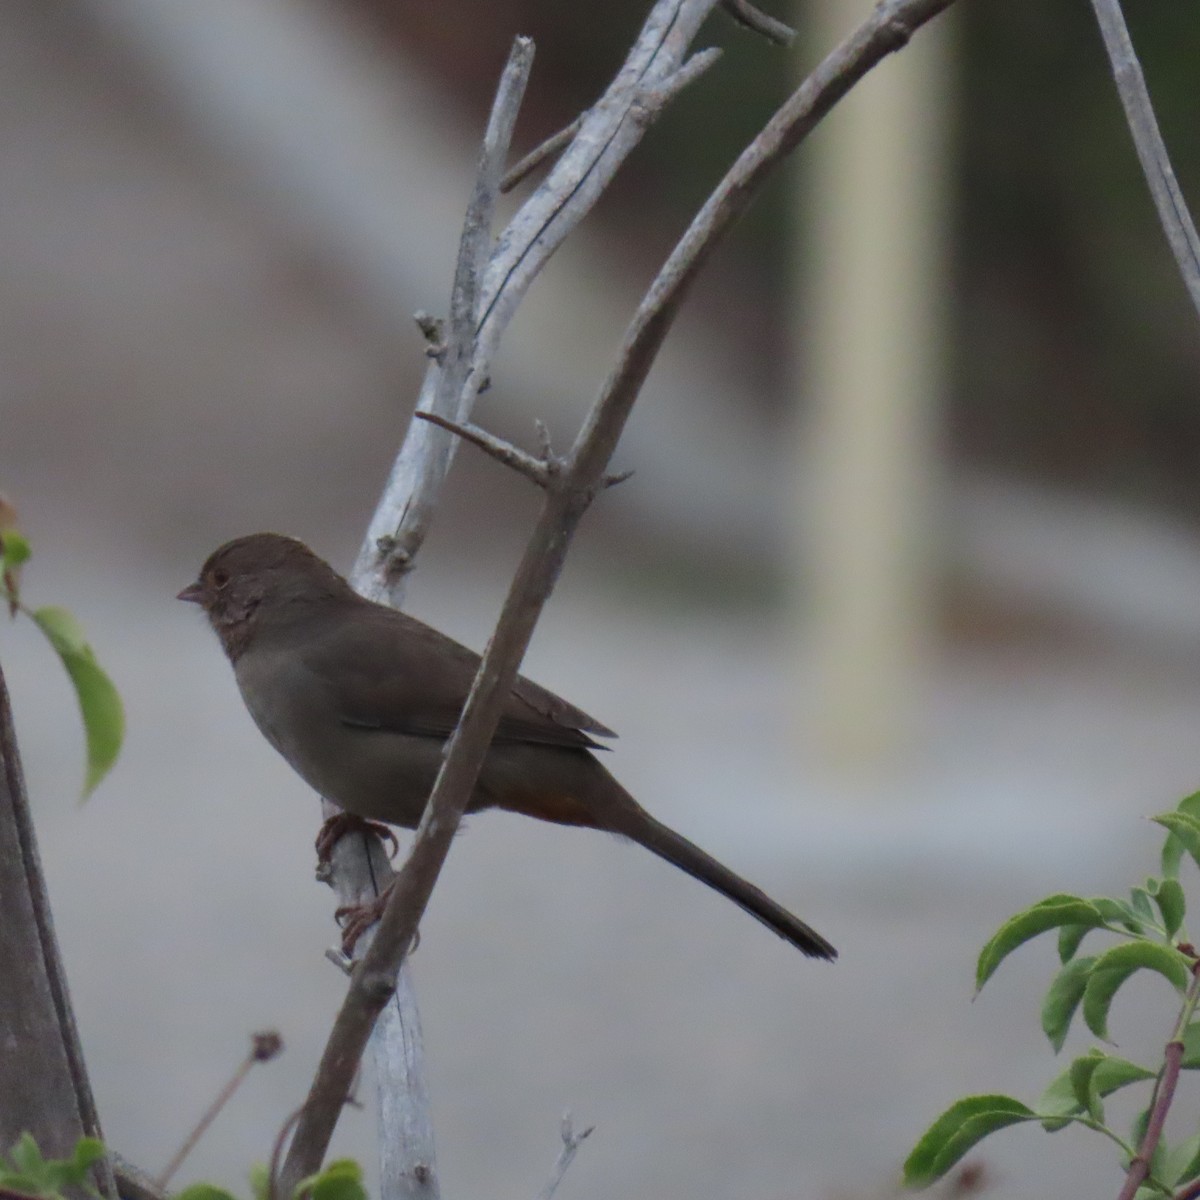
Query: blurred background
[[897, 616]]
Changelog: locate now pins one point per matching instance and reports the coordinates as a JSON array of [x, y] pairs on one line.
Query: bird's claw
[[356, 919], [342, 823]]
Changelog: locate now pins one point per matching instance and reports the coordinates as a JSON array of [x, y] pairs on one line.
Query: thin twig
[[889, 27], [263, 1048], [744, 13], [608, 481], [652, 100], [389, 548], [1164, 1092], [534, 159], [537, 470], [277, 1153], [566, 1156], [1156, 165]]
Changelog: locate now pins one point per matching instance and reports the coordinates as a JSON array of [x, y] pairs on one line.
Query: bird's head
[[257, 574]]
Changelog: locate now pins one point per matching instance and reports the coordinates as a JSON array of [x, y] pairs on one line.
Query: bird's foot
[[356, 919], [343, 823]]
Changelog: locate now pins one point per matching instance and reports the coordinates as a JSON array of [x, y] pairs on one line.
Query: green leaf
[[1069, 937], [99, 703], [1119, 912], [1137, 1135], [1063, 999], [1186, 828], [1152, 1191], [1173, 847], [964, 1124], [260, 1181], [1172, 855], [61, 1175], [88, 1150], [1081, 1072], [1051, 913], [1191, 1047], [24, 1185], [1112, 1073], [1172, 904], [1114, 966], [1106, 1073], [1181, 1162], [26, 1156], [203, 1191], [1057, 1104], [340, 1180], [14, 549], [1142, 904]]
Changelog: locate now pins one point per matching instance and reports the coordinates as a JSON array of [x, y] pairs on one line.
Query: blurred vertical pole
[[871, 278], [44, 1087]]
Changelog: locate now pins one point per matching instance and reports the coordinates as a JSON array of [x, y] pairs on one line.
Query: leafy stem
[[1164, 1091]]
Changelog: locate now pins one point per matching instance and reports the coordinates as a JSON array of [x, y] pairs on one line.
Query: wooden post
[[872, 278]]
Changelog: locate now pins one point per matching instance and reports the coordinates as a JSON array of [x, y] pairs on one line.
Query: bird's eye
[[220, 578]]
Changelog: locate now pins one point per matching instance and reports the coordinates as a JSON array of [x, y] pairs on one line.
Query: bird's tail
[[627, 817]]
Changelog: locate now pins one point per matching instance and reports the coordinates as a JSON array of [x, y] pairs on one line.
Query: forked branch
[[887, 29]]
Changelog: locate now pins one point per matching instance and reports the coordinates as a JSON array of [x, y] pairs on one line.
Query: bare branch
[[570, 1147], [277, 1154], [534, 159], [887, 29], [425, 456], [744, 13], [538, 471], [890, 25], [652, 101], [1156, 165], [695, 66], [359, 871], [607, 134]]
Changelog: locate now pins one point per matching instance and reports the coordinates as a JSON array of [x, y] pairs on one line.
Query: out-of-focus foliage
[[1078, 351]]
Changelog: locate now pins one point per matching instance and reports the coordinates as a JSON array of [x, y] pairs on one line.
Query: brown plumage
[[360, 699]]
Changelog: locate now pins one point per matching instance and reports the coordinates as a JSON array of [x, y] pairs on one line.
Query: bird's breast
[[376, 774]]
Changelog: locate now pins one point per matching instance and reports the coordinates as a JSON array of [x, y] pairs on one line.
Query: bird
[[361, 698]]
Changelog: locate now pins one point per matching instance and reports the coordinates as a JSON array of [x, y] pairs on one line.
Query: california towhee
[[360, 699]]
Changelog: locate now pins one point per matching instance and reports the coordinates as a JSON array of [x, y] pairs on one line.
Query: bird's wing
[[387, 671]]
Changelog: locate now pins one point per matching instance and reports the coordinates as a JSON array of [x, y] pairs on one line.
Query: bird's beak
[[193, 593]]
